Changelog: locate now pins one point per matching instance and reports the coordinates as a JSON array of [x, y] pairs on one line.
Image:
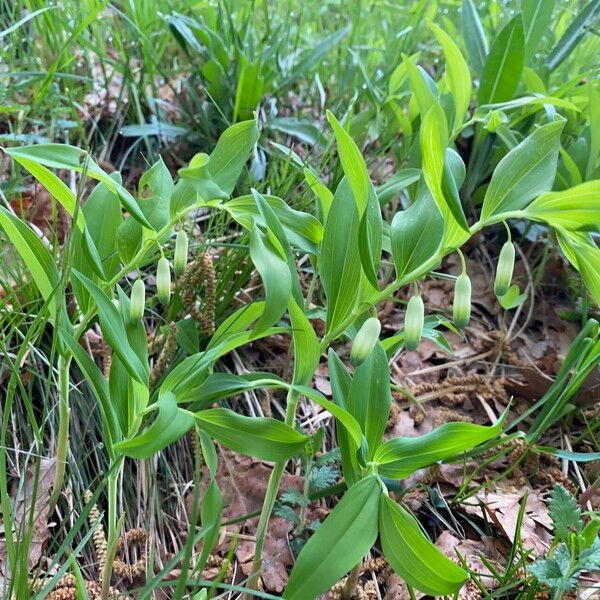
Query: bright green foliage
[[576, 546], [527, 151]]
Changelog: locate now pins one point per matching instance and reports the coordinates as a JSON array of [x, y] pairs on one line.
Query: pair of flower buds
[[163, 278], [414, 319]]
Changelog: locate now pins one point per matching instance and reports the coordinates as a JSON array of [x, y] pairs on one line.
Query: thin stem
[[114, 525], [351, 582], [62, 440], [271, 496]]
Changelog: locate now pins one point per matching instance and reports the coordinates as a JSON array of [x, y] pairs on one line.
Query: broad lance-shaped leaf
[[307, 351], [474, 35], [99, 387], [369, 398], [36, 258], [503, 65], [225, 164], [399, 457], [155, 189], [577, 208], [349, 423], [249, 91], [276, 278], [584, 255], [537, 15], [61, 156], [436, 173], [412, 555], [219, 386], [302, 229], [371, 223], [353, 164], [321, 192], [278, 238], [102, 212], [231, 153], [169, 425], [425, 95], [260, 437], [339, 544], [341, 381], [340, 268], [524, 173], [416, 233], [113, 329], [457, 75]]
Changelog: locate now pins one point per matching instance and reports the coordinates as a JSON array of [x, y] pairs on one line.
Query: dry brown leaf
[[243, 483], [471, 551], [502, 509], [27, 508]]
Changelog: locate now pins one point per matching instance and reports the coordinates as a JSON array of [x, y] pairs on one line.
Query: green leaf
[[99, 387], [59, 156], [564, 512], [155, 189], [369, 398], [307, 351], [524, 173], [425, 96], [231, 153], [396, 183], [339, 544], [321, 191], [457, 75], [474, 35], [249, 91], [340, 266], [399, 457], [412, 555], [537, 15], [436, 169], [572, 36], [102, 212], [278, 237], [584, 255], [594, 124], [169, 425], [190, 373], [36, 258], [512, 298], [113, 329], [577, 208], [302, 229], [260, 437], [219, 386], [370, 239], [504, 64], [341, 414], [353, 164], [341, 381], [195, 185], [276, 278], [416, 233]]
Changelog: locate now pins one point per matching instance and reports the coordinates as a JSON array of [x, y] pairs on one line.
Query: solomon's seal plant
[[358, 260]]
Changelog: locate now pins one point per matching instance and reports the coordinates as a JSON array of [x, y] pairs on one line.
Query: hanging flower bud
[[137, 300], [181, 253], [365, 341], [413, 322], [163, 280], [461, 307], [504, 270]]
